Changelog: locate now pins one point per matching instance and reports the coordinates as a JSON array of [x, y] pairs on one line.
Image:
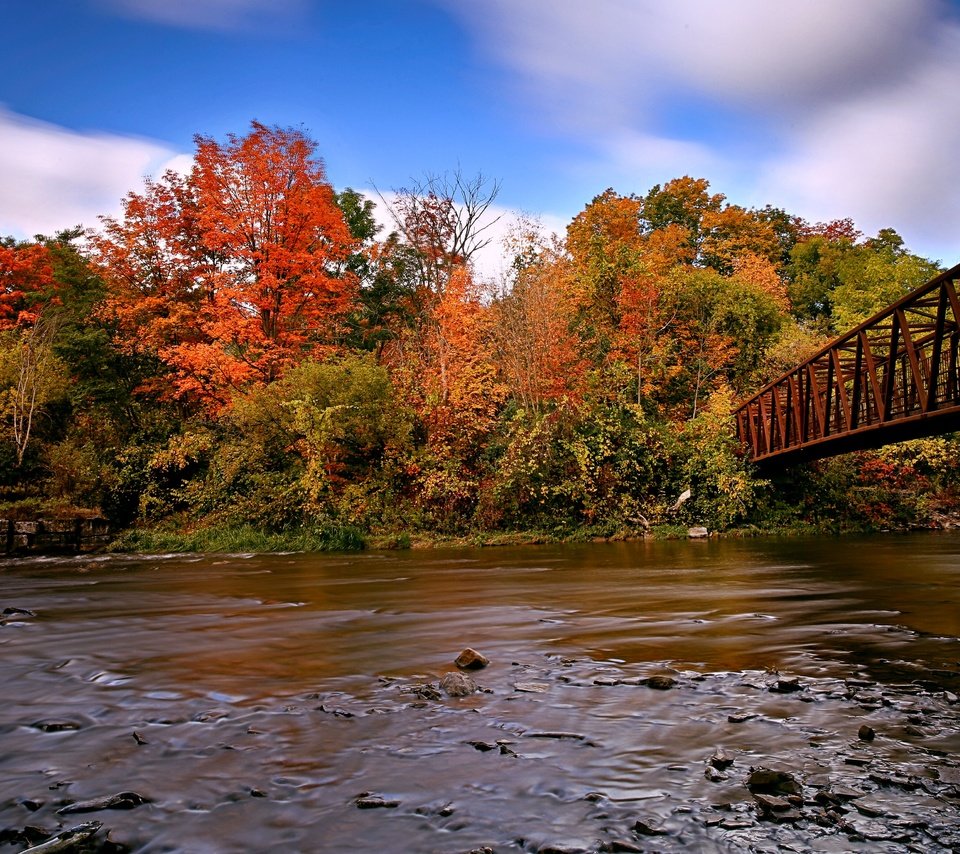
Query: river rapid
[[293, 702]]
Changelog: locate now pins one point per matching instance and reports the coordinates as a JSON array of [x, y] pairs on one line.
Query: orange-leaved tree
[[531, 330], [235, 272], [26, 283]]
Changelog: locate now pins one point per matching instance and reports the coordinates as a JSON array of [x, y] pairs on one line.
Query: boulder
[[470, 659], [697, 533], [660, 683], [772, 781], [456, 684], [721, 760]]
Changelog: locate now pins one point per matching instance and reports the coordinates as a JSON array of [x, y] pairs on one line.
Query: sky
[[826, 108]]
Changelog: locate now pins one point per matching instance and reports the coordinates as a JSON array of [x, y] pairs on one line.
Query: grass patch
[[245, 538], [669, 532]]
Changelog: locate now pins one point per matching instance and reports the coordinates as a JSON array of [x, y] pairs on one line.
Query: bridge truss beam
[[894, 377]]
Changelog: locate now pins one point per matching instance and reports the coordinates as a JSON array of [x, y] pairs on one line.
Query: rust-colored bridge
[[894, 377]]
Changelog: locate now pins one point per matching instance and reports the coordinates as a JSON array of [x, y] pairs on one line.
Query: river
[[290, 702]]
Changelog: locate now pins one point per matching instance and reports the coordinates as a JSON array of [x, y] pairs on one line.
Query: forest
[[244, 359]]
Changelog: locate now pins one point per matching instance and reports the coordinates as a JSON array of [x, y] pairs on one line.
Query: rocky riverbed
[[544, 754], [705, 695]]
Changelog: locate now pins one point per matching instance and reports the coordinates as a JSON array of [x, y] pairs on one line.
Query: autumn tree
[[723, 325], [26, 282], [440, 357], [604, 243], [684, 203], [31, 375], [813, 268], [446, 219], [236, 271], [841, 279], [532, 319]]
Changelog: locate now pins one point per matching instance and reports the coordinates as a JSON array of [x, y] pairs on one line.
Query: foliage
[[574, 466], [234, 273], [242, 360], [724, 492]]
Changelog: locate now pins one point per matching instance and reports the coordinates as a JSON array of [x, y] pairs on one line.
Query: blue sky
[[825, 108]]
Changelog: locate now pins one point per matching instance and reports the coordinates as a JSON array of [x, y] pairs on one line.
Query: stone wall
[[41, 536]]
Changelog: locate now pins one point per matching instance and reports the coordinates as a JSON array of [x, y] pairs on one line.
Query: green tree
[[871, 276]]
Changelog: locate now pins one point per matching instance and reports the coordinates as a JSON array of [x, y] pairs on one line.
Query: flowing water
[[290, 702]]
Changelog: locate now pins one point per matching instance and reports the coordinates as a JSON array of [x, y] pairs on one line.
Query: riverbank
[[231, 539], [72, 530]]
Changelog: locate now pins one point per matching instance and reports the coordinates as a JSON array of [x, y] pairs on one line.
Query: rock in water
[[470, 659], [457, 684], [661, 683], [786, 686], [531, 687], [721, 760], [697, 533], [67, 840], [772, 781], [374, 802], [647, 829], [771, 803], [866, 733], [119, 801]]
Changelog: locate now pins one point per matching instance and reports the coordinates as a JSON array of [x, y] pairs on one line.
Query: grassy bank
[[333, 538], [345, 538]]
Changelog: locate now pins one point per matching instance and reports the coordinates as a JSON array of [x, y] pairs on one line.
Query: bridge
[[895, 377]]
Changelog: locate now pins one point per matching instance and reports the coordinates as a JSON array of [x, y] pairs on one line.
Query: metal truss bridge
[[894, 377]]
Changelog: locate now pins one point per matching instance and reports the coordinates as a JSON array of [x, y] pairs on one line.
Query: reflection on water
[[270, 688]]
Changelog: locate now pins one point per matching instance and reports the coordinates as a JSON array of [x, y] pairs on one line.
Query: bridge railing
[[895, 376]]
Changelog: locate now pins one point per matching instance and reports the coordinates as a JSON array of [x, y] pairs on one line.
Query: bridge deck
[[894, 377]]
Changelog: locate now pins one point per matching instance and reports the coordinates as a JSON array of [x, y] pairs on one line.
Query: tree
[[683, 202], [722, 327], [606, 248], [34, 378], [447, 220], [531, 324], [237, 271], [873, 275], [26, 282], [732, 232]]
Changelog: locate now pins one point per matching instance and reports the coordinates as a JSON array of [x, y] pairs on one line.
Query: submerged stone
[[531, 687], [457, 684], [772, 780], [721, 760], [470, 659], [660, 683]]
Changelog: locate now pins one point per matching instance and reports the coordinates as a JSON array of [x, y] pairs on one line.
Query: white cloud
[[611, 61], [648, 158], [779, 54], [212, 14], [54, 178], [856, 101], [887, 158]]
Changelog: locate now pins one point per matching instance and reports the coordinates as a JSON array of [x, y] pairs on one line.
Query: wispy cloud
[[855, 100], [54, 178], [224, 15], [887, 157]]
